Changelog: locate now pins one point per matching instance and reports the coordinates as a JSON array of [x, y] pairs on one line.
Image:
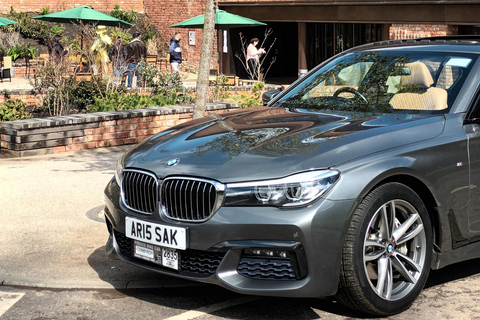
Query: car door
[[472, 130]]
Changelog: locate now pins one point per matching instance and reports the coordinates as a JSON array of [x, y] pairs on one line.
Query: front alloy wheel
[[387, 252]]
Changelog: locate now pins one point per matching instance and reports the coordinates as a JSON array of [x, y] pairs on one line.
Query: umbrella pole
[[81, 36]]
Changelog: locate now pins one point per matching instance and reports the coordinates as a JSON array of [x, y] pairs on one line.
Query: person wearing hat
[[99, 47], [136, 52]]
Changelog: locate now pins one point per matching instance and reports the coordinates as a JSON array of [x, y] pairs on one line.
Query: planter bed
[[94, 130]]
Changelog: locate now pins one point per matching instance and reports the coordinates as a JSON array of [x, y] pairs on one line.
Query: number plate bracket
[[165, 257]]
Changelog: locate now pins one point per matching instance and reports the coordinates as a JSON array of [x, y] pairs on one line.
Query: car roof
[[462, 43]]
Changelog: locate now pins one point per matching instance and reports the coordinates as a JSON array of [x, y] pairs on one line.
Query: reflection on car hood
[[264, 142]]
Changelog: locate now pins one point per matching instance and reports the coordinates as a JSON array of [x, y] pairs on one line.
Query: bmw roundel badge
[[172, 162]]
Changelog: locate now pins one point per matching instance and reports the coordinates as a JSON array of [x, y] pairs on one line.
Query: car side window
[[475, 113], [448, 77]]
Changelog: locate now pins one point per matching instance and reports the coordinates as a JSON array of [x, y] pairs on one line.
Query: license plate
[[166, 257], [156, 234]]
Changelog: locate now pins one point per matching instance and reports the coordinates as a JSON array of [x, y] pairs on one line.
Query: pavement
[[17, 83], [52, 229]]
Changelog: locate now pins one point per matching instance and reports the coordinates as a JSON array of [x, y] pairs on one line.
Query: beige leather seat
[[416, 92]]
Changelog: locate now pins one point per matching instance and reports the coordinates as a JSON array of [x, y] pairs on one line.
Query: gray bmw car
[[354, 182]]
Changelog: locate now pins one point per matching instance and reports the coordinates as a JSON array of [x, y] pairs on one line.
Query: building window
[[327, 39]]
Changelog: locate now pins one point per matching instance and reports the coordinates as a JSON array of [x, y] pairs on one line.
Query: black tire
[[387, 252]]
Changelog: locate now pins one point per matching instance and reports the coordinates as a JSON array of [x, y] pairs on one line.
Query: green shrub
[[255, 98], [83, 93], [220, 88], [13, 110], [21, 51], [32, 28], [128, 16], [168, 84], [45, 11], [120, 101]]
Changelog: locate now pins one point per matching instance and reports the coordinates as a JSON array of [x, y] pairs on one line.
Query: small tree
[[262, 73], [54, 84]]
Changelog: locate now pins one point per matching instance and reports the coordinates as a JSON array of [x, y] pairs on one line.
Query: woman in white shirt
[[253, 61]]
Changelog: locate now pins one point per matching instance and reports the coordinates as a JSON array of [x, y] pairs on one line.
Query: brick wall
[[164, 13], [95, 130], [412, 31], [58, 5], [24, 95]]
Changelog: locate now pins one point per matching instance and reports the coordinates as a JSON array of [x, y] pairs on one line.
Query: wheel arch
[[422, 190]]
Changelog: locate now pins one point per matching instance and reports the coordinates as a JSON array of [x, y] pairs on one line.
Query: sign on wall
[[191, 37]]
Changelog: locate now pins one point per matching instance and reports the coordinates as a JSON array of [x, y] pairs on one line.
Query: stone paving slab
[[53, 231]]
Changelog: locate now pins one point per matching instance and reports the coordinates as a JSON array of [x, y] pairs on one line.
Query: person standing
[[175, 52], [136, 52], [118, 56], [253, 58], [56, 49], [99, 48]]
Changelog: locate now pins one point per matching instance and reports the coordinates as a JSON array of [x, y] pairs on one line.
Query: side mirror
[[269, 95]]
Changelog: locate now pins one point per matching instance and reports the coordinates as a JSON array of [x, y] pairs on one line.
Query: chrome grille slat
[[183, 199], [196, 202], [138, 202], [181, 202], [190, 199], [140, 191]]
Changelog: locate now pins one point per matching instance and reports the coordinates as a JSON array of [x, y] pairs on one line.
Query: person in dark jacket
[[175, 52], [136, 52], [55, 48]]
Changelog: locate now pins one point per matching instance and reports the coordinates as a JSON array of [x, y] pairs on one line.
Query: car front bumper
[[219, 250]]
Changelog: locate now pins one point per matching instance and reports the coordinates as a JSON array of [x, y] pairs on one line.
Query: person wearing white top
[[253, 58]]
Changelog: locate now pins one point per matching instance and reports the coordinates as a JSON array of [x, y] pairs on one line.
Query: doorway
[[280, 44], [324, 40]]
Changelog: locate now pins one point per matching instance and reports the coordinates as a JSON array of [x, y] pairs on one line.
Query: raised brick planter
[[94, 130]]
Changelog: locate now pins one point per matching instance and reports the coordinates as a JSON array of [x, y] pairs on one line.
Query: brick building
[[306, 32]]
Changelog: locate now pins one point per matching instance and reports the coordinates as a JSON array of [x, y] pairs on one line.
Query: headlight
[[295, 190], [119, 171]]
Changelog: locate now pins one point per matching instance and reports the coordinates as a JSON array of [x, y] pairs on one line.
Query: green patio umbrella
[[84, 15], [6, 22], [223, 20]]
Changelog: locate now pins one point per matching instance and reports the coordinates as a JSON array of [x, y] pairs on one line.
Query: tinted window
[[384, 81]]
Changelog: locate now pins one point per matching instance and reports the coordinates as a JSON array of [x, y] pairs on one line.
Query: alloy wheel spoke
[[385, 278], [400, 267], [403, 228], [386, 219], [388, 292], [410, 235], [378, 250], [409, 261]]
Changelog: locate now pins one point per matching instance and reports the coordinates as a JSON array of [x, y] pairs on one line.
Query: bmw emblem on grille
[[172, 162]]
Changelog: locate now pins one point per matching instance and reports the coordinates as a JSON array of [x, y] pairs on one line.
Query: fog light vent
[[266, 269]]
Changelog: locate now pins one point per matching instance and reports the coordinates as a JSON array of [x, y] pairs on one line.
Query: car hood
[[266, 142]]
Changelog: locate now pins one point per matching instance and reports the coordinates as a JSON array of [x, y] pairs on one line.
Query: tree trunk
[[205, 56]]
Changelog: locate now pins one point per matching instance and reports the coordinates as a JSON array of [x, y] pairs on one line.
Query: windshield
[[384, 82]]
